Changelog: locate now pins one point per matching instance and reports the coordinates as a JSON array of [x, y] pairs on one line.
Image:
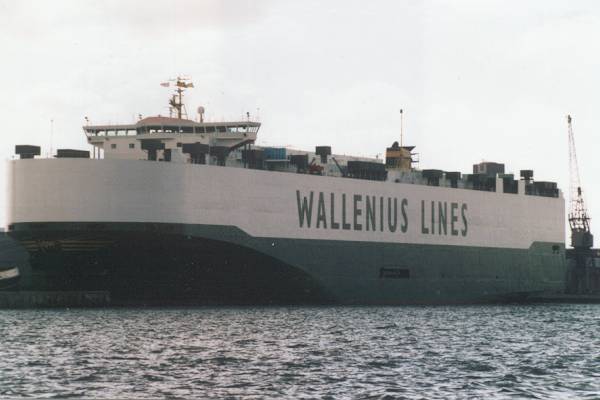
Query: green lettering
[[392, 220], [370, 213], [404, 226], [463, 210], [424, 229], [321, 218], [304, 209], [334, 225], [345, 224], [442, 220], [432, 217], [381, 214], [453, 218], [357, 212]]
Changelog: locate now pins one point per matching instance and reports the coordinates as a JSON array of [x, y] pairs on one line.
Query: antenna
[[176, 101], [401, 126], [51, 135]]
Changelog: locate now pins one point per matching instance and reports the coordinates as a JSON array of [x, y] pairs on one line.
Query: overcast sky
[[478, 80]]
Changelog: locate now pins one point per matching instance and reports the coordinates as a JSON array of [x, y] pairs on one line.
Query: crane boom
[[579, 221]]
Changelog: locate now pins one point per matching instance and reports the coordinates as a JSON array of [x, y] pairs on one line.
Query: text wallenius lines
[[379, 213]]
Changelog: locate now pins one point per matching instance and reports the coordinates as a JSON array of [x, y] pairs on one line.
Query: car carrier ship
[[170, 210]]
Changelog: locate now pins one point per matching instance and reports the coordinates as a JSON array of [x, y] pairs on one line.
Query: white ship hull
[[357, 241]]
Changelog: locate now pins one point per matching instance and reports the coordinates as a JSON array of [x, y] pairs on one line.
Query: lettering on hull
[[362, 212]]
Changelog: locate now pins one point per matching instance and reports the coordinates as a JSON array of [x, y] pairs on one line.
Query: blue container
[[275, 153]]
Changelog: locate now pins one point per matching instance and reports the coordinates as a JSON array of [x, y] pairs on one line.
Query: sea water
[[507, 351]]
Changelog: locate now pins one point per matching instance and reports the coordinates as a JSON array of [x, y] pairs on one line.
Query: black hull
[[174, 264], [154, 267]]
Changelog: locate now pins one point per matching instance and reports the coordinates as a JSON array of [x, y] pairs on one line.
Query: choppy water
[[538, 351]]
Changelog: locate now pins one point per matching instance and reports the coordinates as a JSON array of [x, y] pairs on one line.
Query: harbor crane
[[579, 220]]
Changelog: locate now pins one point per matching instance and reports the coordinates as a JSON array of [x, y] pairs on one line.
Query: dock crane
[[579, 221], [582, 277]]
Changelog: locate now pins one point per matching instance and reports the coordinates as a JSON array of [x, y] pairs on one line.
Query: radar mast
[[176, 100]]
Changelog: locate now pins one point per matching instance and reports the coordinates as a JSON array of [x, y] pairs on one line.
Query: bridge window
[[187, 129], [237, 129], [210, 129], [199, 129], [221, 129]]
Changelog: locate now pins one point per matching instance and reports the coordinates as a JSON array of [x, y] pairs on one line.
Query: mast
[[176, 100], [401, 126]]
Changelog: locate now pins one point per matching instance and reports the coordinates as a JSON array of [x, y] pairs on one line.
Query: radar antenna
[[579, 221], [176, 100]]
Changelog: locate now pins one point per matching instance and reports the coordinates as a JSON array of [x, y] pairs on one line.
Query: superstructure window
[[113, 145], [199, 129], [221, 129], [179, 144], [237, 129], [132, 145], [210, 129]]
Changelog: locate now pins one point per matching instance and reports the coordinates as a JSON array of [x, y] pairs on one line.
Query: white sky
[[478, 80]]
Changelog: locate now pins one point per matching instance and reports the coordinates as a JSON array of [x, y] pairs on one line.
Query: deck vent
[[488, 168], [300, 161], [482, 182], [220, 152], [197, 152], [527, 174], [27, 151], [323, 152], [453, 177], [71, 153], [509, 184], [547, 189], [152, 146], [253, 158], [433, 176], [366, 170]]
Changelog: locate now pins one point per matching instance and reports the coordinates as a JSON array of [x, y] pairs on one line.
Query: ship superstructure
[[174, 210]]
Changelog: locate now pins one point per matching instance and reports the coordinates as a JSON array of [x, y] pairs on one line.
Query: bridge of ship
[[121, 141]]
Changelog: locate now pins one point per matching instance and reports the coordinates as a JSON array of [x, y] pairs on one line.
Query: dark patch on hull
[[160, 268], [12, 256]]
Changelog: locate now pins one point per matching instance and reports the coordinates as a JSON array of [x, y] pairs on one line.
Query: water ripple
[[541, 351]]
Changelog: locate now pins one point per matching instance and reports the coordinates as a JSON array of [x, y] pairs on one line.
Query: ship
[[179, 210]]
